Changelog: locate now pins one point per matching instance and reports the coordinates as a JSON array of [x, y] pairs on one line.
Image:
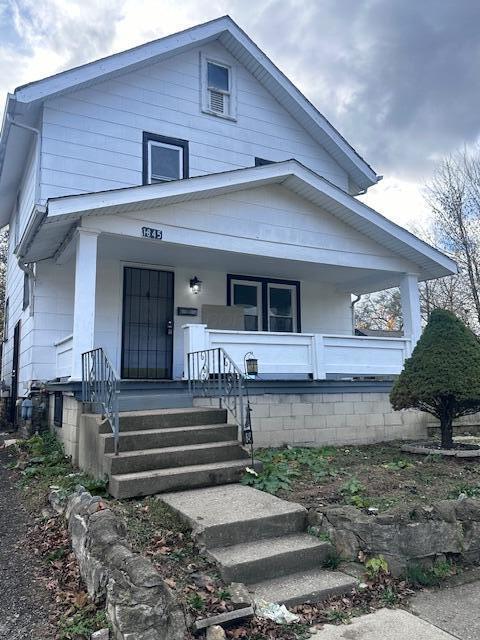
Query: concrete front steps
[[260, 540], [171, 449]]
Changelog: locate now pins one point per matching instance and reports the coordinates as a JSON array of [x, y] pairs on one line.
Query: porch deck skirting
[[310, 355]]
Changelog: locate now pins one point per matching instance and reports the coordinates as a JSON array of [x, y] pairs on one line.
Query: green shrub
[[443, 375]]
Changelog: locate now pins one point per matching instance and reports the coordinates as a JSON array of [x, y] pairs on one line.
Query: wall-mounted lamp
[[195, 285], [250, 364]]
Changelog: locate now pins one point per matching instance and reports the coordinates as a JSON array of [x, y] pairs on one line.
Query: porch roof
[[51, 229]]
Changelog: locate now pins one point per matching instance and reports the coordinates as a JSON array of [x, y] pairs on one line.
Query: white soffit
[[292, 175]]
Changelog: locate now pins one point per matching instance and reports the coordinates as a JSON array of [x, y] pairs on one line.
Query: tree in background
[[381, 310], [453, 195], [454, 198], [443, 375]]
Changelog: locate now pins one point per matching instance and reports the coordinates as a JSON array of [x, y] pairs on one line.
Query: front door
[[147, 338], [15, 365]]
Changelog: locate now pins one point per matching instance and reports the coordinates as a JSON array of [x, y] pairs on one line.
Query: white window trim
[[154, 143], [293, 316], [258, 286], [232, 102]]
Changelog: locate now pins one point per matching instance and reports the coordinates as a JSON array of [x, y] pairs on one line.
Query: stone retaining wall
[[406, 535], [139, 604]]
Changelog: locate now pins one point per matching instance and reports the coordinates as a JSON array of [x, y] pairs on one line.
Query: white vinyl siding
[[93, 137]]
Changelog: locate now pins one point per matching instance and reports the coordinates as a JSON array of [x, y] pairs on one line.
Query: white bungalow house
[[184, 196]]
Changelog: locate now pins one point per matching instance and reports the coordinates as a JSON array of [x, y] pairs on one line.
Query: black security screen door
[[147, 324]]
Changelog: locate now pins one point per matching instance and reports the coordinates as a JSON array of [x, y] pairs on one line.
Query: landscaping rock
[[215, 633], [240, 595], [223, 618], [139, 604], [103, 634], [421, 534]]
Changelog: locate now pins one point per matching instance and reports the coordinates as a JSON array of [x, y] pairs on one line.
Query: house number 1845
[[155, 234]]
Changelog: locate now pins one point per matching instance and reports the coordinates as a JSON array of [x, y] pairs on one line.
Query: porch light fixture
[[251, 364], [195, 285]]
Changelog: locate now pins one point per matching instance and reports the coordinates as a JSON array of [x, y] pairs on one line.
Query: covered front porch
[[133, 297], [278, 253]]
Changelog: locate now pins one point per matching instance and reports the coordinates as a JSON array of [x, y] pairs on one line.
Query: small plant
[[196, 602], [275, 476], [389, 597], [376, 566], [321, 535], [398, 465], [333, 560], [430, 576], [471, 491], [224, 594], [352, 492], [82, 624], [337, 616]]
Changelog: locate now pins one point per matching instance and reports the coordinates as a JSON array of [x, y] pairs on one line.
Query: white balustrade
[[304, 354]]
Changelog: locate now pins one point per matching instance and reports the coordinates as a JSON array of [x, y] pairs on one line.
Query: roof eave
[[153, 195]]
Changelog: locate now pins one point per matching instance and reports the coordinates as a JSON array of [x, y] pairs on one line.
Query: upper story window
[[218, 88], [164, 159]]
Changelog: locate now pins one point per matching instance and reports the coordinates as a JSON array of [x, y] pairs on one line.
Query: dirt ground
[[24, 601], [381, 476]]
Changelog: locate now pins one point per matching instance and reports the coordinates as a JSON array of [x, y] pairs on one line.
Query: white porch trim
[[410, 298], [305, 354], [84, 299]]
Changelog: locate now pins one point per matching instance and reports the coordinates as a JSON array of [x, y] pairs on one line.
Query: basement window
[[164, 159], [218, 88], [58, 409]]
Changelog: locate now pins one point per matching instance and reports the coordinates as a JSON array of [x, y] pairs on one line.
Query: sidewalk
[[385, 624]]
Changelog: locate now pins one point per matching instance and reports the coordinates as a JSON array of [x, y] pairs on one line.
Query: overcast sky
[[398, 78]]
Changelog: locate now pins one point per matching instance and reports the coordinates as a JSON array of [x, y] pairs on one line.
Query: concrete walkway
[[385, 624], [454, 609]]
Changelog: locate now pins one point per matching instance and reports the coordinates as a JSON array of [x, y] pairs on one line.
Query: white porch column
[[410, 297], [84, 300]]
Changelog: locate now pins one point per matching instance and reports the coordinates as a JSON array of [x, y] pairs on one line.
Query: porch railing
[[213, 374], [100, 388]]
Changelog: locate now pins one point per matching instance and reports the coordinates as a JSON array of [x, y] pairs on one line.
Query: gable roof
[[27, 99], [63, 212]]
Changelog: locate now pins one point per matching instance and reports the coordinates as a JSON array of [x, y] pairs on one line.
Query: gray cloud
[[400, 78]]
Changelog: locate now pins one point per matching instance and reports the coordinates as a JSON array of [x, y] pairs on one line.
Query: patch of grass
[[337, 616], [389, 597], [196, 602], [149, 518], [46, 466], [430, 576], [82, 624]]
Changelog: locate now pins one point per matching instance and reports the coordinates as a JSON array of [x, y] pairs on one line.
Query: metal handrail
[[213, 374], [99, 388]]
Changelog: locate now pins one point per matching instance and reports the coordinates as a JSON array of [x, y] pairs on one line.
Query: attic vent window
[[218, 89]]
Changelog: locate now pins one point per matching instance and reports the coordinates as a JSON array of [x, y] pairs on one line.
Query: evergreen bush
[[442, 377]]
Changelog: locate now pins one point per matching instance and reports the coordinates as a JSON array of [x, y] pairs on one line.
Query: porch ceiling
[[345, 279]]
